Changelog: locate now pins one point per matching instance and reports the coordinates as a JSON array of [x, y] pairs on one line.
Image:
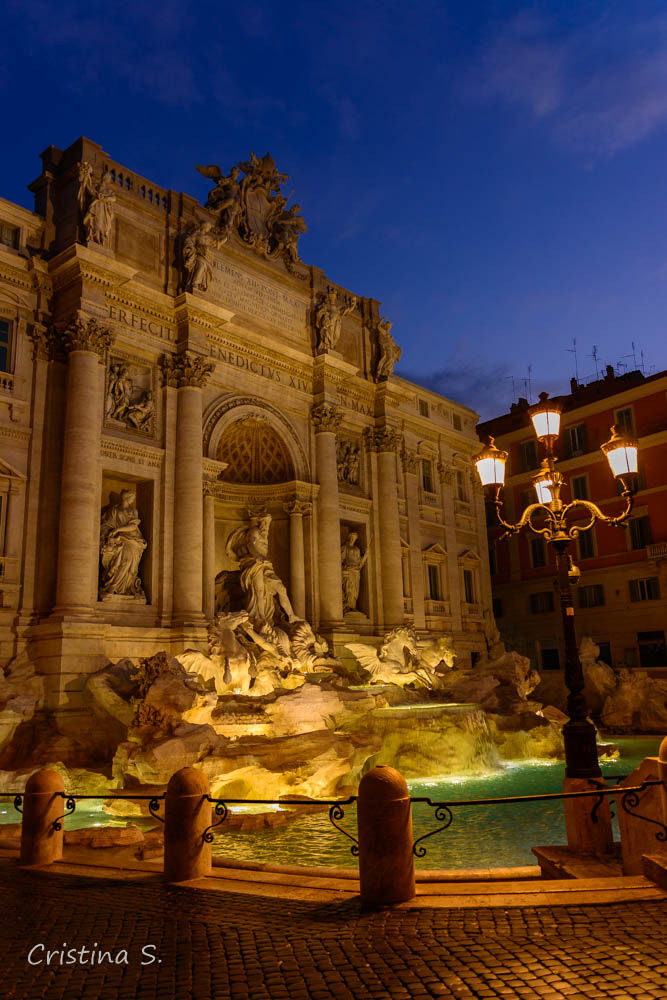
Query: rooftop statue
[[389, 351], [198, 247], [96, 203], [255, 208], [329, 320]]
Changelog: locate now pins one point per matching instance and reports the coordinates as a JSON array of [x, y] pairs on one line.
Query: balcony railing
[[657, 551], [437, 607], [471, 610]]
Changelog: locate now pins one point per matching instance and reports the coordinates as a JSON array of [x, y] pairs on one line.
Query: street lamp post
[[581, 760]]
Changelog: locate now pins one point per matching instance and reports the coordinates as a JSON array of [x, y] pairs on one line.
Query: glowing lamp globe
[[621, 453], [546, 417], [543, 483], [490, 464]]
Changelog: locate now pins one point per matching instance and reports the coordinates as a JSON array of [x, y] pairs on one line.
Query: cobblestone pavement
[[216, 946]]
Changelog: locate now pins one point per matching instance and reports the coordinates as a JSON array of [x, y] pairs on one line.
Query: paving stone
[[236, 947]]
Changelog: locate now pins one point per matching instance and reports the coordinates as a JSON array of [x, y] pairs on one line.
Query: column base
[[588, 828], [581, 752]]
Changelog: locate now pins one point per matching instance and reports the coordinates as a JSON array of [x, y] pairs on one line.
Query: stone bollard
[[187, 814], [42, 806], [584, 834], [384, 821], [662, 773]]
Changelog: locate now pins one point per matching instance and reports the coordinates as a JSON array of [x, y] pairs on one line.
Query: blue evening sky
[[493, 172]]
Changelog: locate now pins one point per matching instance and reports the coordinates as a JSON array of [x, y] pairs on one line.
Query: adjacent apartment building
[[621, 599]]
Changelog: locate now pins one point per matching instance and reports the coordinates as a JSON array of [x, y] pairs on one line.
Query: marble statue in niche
[[389, 351], [352, 563], [129, 397], [259, 581], [348, 462], [329, 319], [121, 548], [97, 204]]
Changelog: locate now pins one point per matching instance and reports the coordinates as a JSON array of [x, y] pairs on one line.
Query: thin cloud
[[597, 90]]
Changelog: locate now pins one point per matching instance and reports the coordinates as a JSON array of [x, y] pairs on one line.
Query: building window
[[5, 345], [550, 659], [427, 475], [9, 235], [433, 572], [492, 560], [538, 552], [640, 532], [587, 544], [646, 589], [623, 418], [579, 487], [576, 439], [605, 652], [461, 487], [469, 586], [423, 408], [652, 652], [591, 596], [497, 607], [528, 455], [456, 421], [542, 602]]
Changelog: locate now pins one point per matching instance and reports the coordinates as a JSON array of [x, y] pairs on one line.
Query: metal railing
[[630, 798]]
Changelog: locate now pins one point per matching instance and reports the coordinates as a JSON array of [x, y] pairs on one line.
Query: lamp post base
[[581, 753]]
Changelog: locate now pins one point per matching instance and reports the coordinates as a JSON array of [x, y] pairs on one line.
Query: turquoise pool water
[[479, 837]]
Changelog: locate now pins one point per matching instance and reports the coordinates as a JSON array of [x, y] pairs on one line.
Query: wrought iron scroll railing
[[630, 799], [336, 813], [71, 801]]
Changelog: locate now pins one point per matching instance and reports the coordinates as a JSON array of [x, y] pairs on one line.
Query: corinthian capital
[[383, 439], [325, 417], [187, 369], [299, 507], [86, 334]]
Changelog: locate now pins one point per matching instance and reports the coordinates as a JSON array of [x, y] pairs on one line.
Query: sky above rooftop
[[493, 172]]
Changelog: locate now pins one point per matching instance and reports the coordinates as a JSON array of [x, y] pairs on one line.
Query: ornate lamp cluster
[[550, 517]]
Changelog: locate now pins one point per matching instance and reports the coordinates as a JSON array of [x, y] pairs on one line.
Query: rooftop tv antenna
[[528, 383], [595, 356], [512, 380], [573, 350]]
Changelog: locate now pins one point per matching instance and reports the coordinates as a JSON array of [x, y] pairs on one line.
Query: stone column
[[188, 373], [209, 552], [297, 555], [40, 339], [446, 474], [326, 419], [411, 467], [386, 443], [86, 343]]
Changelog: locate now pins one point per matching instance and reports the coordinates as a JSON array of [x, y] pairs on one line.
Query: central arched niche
[[254, 453]]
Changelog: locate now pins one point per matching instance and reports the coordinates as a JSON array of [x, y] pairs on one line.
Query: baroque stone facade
[[185, 358]]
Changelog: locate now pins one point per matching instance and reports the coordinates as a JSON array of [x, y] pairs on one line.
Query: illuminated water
[[479, 837]]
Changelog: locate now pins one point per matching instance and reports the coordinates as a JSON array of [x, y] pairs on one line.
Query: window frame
[[621, 423], [9, 346]]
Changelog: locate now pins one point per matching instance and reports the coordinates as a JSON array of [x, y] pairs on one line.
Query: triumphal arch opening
[[194, 422]]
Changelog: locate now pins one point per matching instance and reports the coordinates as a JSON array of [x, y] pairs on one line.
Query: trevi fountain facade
[[231, 536]]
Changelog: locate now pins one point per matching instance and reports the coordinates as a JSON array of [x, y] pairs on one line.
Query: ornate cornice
[[86, 334], [325, 418], [185, 370]]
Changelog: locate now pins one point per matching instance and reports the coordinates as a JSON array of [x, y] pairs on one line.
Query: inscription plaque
[[243, 293]]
